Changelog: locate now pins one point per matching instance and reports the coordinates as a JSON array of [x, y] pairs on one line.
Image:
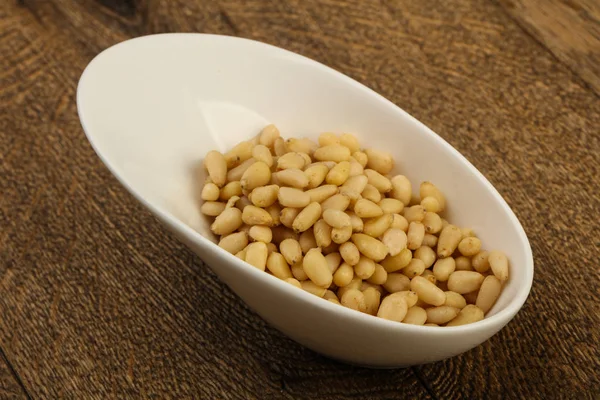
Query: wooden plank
[[97, 301], [10, 387], [570, 29], [101, 311]]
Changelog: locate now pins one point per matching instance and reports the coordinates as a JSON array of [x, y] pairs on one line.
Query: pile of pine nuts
[[329, 218]]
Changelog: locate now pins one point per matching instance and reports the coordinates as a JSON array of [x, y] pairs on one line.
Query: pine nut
[[396, 282], [212, 208], [432, 223], [365, 268], [253, 215], [350, 141], [343, 275], [303, 145], [354, 299], [480, 262], [341, 235], [371, 193], [234, 242], [414, 268], [307, 241], [463, 263], [443, 268], [355, 168], [370, 247], [356, 222], [328, 138], [263, 196], [393, 308], [415, 235], [336, 202], [380, 161], [290, 161], [307, 217], [230, 190], [210, 192], [415, 316], [391, 206], [372, 300], [291, 197], [293, 282], [467, 315], [258, 174], [292, 177], [428, 189], [256, 255], [425, 254], [333, 260], [268, 135], [291, 250], [397, 262], [455, 300], [338, 174], [350, 253], [395, 240], [380, 182], [227, 222], [260, 233], [322, 193], [469, 246], [288, 215], [367, 209], [400, 222], [316, 267], [499, 264], [280, 147], [262, 153], [216, 165], [488, 293], [333, 152], [427, 291], [465, 281], [316, 175], [322, 233], [442, 314], [414, 213], [401, 189], [278, 266], [361, 157], [336, 218], [239, 154], [448, 241], [298, 272], [313, 288], [379, 276]]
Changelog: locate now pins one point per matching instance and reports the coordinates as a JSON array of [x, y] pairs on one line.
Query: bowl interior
[[154, 106]]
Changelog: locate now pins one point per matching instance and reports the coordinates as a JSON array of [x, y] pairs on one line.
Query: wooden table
[[97, 302]]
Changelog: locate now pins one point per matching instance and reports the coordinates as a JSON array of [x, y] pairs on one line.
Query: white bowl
[[153, 106]]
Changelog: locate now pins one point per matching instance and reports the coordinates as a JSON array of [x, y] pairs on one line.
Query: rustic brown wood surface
[[570, 29], [96, 301]]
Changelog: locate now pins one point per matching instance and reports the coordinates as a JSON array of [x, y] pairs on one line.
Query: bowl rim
[[496, 321]]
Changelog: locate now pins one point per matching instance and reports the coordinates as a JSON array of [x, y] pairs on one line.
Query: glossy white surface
[[153, 106]]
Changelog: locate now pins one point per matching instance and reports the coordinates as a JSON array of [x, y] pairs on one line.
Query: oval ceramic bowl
[[153, 106]]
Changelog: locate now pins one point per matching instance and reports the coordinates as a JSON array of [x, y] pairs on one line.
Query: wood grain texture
[[10, 387], [569, 28], [96, 301]]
